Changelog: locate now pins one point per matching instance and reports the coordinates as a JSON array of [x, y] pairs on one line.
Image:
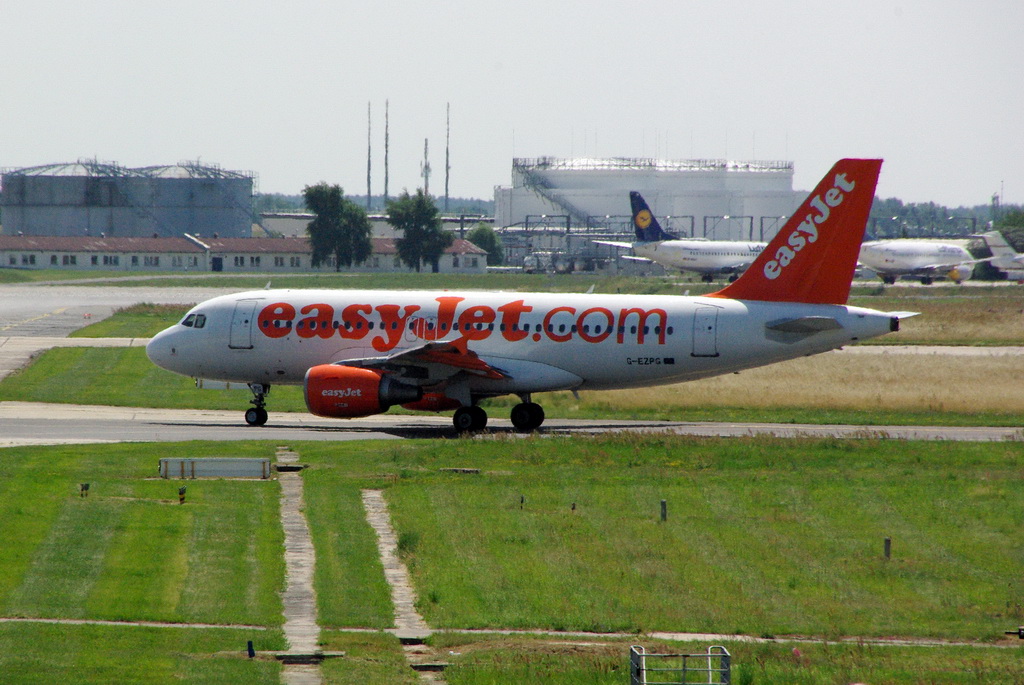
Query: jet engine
[[346, 391]]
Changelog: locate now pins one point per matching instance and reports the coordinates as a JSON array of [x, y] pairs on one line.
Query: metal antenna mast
[[447, 149], [386, 132], [425, 167], [369, 125]]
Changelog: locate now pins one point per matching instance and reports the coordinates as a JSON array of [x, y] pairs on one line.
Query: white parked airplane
[[358, 352], [923, 259], [709, 258], [1003, 255]]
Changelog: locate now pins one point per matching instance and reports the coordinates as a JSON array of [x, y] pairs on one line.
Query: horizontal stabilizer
[[614, 243], [804, 324]]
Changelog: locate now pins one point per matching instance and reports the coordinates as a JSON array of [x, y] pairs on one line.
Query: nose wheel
[[257, 415]]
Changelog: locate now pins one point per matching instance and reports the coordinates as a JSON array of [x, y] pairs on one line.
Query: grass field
[[44, 654], [66, 556], [764, 537], [138, 321]]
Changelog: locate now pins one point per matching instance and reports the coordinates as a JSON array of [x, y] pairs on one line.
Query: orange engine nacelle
[[347, 392]]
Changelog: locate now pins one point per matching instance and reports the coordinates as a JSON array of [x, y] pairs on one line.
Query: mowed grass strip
[[46, 653], [763, 537], [863, 389], [370, 658], [137, 321], [129, 551], [351, 589]]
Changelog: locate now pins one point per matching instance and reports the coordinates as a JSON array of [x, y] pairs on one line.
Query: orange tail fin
[[813, 257]]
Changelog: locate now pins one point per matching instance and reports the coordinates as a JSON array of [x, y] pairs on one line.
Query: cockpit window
[[189, 321], [200, 320]]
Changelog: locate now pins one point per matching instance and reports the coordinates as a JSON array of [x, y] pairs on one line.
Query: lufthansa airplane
[[359, 352], [709, 258]]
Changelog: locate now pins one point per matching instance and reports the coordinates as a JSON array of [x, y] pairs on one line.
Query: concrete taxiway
[[30, 423]]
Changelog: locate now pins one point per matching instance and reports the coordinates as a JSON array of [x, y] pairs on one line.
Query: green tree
[[1011, 225], [484, 237], [423, 240], [341, 228]]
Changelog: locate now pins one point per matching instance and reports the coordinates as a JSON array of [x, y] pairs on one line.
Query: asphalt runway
[[35, 317]]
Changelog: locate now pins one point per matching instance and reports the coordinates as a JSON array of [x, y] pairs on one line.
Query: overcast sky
[[281, 88]]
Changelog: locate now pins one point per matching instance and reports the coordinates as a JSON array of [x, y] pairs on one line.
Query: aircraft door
[[241, 325], [705, 332]]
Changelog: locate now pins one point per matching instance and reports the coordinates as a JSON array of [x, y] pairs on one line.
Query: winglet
[[644, 222], [813, 257]]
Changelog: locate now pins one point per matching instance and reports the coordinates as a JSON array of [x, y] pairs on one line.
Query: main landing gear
[[526, 416], [257, 415]]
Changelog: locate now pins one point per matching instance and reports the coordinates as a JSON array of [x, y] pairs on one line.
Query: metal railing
[[714, 666]]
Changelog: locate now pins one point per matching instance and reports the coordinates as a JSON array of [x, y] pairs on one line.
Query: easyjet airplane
[[359, 352], [709, 258]]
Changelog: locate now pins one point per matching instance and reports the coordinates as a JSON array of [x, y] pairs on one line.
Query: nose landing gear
[[257, 415]]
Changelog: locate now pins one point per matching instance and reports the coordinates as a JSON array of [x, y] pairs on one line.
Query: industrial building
[[714, 199], [195, 253], [557, 207], [90, 198]]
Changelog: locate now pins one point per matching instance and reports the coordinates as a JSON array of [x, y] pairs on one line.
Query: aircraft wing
[[931, 268], [614, 243], [431, 362], [737, 266]]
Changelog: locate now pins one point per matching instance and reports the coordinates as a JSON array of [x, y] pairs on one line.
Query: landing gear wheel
[[527, 416], [469, 419], [257, 416]]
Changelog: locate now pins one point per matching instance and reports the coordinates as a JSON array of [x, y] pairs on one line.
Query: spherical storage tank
[[93, 198]]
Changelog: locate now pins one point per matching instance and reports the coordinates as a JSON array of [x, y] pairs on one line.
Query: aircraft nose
[[162, 350]]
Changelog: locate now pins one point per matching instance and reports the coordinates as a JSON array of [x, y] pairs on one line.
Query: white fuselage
[[701, 256], [915, 257], [539, 341]]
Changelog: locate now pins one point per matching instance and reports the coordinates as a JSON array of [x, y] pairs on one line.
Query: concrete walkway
[[409, 625], [300, 621], [410, 628]]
